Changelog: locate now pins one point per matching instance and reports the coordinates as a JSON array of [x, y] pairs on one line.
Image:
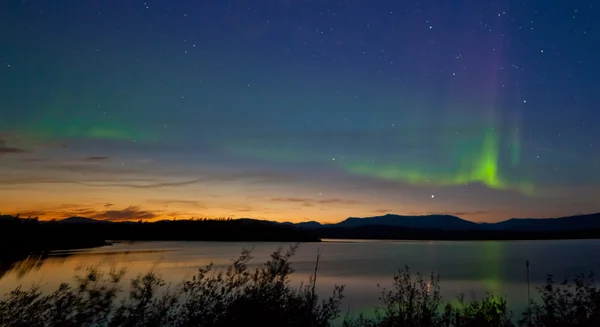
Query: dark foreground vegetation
[[241, 296]]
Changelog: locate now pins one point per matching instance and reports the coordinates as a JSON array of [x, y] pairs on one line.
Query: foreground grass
[[239, 296]]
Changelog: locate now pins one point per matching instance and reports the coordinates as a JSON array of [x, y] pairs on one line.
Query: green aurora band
[[475, 159], [515, 147], [478, 165], [79, 129]]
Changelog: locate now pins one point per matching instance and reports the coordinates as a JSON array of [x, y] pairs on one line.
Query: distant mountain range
[[450, 223], [579, 222], [437, 222], [82, 220]]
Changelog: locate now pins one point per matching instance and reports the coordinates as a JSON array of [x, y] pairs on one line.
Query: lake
[[472, 268]]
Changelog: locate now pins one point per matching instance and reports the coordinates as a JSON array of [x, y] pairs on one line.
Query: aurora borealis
[[298, 110]]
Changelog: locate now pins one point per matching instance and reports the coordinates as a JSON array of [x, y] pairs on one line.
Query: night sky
[[299, 110]]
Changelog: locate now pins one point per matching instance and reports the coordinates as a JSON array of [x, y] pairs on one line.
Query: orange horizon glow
[[131, 189], [184, 210]]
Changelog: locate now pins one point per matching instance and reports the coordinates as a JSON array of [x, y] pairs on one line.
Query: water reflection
[[21, 264], [470, 268]]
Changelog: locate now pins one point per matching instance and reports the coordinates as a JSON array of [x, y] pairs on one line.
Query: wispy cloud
[[168, 202], [461, 213], [292, 200], [5, 148], [79, 212], [99, 183], [146, 185], [33, 213], [129, 213], [244, 209], [35, 159], [382, 211], [51, 145], [252, 177], [337, 201], [306, 202], [147, 178], [95, 158], [104, 212]]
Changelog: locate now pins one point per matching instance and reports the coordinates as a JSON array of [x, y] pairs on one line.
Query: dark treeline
[[19, 236], [403, 233], [26, 235], [204, 230]]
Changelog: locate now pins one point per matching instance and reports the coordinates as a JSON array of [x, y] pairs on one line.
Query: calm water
[[472, 268]]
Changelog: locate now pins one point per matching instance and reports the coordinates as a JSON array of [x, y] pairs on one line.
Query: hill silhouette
[[447, 227], [81, 220], [589, 221], [26, 235], [439, 222], [449, 222], [421, 222]]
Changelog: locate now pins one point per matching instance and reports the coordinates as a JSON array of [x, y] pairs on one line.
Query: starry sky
[[296, 110]]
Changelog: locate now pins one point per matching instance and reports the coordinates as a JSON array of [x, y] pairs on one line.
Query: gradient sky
[[299, 110]]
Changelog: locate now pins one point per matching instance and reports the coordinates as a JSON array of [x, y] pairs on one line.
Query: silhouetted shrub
[[237, 296], [417, 302], [566, 304]]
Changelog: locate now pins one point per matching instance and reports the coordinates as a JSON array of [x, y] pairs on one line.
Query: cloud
[[244, 209], [461, 213], [98, 183], [338, 201], [7, 149], [35, 160], [79, 213], [175, 202], [293, 200], [33, 213], [382, 211], [91, 211], [46, 144], [147, 185], [81, 171], [129, 213], [311, 202], [253, 177], [61, 211], [95, 158]]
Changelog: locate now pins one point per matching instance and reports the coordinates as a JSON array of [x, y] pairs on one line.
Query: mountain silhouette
[[446, 222], [81, 230], [82, 220], [450, 223], [579, 222], [441, 222]]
